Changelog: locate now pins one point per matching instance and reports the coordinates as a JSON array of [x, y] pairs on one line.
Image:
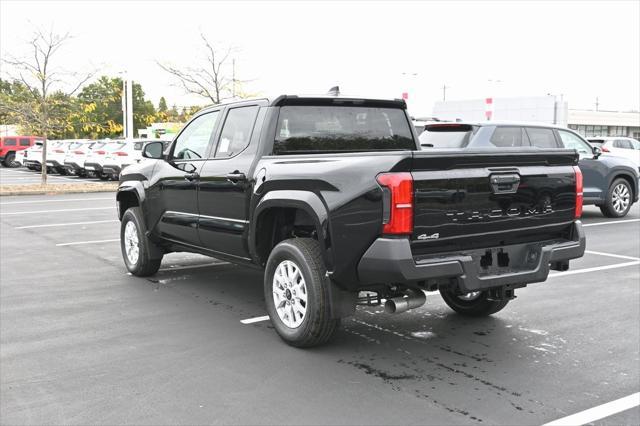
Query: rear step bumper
[[390, 261]]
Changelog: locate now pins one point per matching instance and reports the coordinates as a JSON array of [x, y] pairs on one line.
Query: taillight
[[78, 152], [120, 153], [604, 149], [101, 152], [398, 202], [579, 191], [59, 151]]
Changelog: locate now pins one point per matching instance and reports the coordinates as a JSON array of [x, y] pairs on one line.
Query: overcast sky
[[582, 50]]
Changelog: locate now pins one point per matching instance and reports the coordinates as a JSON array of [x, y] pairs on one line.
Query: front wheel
[[475, 304], [618, 200], [135, 245], [296, 291]]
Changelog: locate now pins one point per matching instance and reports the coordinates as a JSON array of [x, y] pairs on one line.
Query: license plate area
[[508, 259]]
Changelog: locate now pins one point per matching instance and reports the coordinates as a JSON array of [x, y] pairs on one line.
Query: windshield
[[311, 129], [447, 135]]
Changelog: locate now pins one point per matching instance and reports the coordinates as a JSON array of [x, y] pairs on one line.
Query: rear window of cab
[[316, 129]]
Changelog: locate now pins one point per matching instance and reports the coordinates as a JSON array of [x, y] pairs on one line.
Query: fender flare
[[307, 201], [132, 186]]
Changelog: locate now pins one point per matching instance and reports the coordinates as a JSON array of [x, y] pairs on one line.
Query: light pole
[[127, 105]]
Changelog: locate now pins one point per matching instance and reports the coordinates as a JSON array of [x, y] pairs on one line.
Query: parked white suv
[[76, 156], [618, 146], [56, 151], [22, 155], [129, 153]]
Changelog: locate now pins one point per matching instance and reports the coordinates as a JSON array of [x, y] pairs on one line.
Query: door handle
[[192, 176], [236, 177]]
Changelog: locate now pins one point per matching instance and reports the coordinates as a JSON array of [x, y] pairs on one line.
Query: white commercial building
[[542, 109]]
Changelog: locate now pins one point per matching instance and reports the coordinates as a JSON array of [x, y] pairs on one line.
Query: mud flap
[[343, 303]]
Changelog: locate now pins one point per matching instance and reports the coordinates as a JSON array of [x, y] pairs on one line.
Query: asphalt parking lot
[[83, 342], [23, 176]]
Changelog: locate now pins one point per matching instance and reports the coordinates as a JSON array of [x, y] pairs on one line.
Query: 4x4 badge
[[429, 237]]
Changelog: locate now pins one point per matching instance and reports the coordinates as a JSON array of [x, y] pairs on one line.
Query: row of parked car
[[103, 159]]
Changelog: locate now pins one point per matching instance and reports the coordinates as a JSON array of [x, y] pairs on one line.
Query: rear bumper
[[73, 166], [93, 167], [390, 261], [111, 169], [54, 163]]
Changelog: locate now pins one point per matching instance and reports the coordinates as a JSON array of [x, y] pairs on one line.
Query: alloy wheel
[[289, 294]]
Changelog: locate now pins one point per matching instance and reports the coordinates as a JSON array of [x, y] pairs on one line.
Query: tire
[[479, 306], [103, 176], [143, 264], [9, 160], [619, 199], [315, 326]]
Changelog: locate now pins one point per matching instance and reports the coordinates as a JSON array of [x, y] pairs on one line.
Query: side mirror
[[597, 152], [153, 150]]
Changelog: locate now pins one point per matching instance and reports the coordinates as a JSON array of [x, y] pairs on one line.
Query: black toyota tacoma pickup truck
[[333, 198]]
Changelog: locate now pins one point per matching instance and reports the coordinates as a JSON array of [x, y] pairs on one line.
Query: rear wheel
[[475, 304], [296, 291], [10, 160], [618, 200], [104, 176], [135, 245]]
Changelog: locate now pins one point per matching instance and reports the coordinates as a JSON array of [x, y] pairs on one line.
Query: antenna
[[334, 91]]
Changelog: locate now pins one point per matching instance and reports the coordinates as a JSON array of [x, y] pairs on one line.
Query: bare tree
[[212, 80], [43, 82]]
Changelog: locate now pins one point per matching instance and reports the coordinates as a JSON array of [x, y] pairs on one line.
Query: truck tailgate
[[467, 199]]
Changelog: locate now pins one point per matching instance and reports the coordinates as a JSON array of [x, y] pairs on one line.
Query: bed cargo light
[[398, 203]]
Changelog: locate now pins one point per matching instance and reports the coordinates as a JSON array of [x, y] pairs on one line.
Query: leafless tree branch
[[211, 80]]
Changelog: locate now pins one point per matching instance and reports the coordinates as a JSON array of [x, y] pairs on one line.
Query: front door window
[[193, 142]]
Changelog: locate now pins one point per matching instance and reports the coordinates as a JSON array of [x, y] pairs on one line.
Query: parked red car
[[9, 145]]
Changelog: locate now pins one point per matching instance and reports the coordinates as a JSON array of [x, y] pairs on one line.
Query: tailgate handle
[[505, 184]]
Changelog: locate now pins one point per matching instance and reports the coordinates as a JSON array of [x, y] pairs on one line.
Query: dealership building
[[542, 109]]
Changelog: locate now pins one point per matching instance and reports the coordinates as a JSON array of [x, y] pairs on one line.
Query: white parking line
[[256, 319], [66, 224], [61, 200], [611, 223], [597, 268], [86, 242], [619, 256], [599, 412], [59, 211]]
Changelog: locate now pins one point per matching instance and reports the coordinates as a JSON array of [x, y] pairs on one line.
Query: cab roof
[[319, 100]]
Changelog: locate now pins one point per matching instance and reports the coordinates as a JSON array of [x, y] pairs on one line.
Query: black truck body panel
[[198, 205]]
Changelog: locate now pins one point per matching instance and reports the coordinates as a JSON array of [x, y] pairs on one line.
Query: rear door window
[[236, 132], [447, 135], [313, 129], [507, 137], [622, 143], [541, 137]]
